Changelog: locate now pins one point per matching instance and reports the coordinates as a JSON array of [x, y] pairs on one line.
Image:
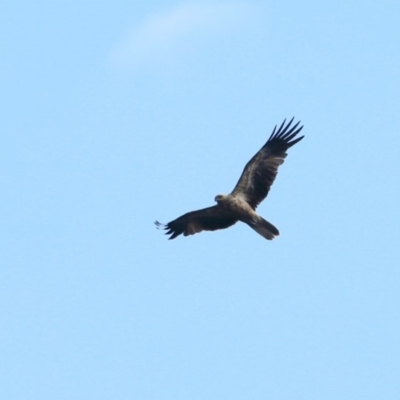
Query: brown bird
[[252, 188]]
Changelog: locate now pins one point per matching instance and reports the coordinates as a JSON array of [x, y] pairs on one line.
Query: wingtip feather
[[159, 225]]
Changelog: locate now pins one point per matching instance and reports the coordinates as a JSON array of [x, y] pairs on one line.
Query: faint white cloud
[[161, 36]]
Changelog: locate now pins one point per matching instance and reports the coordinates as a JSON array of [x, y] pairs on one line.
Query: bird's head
[[219, 198]]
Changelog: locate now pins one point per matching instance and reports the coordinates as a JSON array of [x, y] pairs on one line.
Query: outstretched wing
[[207, 219], [260, 172]]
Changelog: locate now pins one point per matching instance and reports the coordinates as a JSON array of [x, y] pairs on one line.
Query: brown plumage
[[251, 189]]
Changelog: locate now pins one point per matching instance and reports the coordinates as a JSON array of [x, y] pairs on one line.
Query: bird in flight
[[251, 189]]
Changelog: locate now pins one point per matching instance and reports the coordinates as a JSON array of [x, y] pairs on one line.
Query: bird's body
[[237, 207], [253, 186]]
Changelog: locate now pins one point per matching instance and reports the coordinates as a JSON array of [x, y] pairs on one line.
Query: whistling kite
[[251, 189]]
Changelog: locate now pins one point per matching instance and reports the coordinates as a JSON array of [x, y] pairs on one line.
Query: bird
[[251, 189]]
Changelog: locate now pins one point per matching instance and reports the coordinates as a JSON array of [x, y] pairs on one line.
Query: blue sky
[[115, 114]]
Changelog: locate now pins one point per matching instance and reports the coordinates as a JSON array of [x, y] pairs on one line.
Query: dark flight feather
[[260, 172], [207, 219]]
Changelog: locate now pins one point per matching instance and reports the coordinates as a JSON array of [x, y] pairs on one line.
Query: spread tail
[[264, 228]]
